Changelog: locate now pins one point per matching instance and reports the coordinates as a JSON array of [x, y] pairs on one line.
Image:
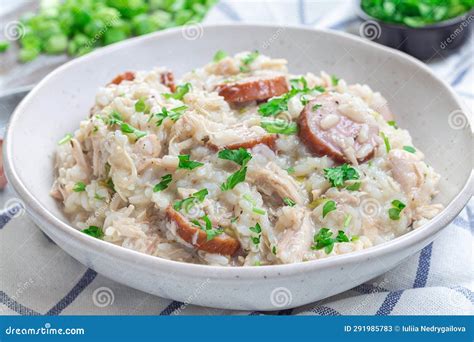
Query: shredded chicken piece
[[273, 179], [296, 234], [79, 157]]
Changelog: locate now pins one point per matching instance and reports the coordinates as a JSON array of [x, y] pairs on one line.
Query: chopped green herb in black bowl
[[421, 28]]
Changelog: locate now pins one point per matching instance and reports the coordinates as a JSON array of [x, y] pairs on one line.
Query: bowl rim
[[37, 209], [438, 25]]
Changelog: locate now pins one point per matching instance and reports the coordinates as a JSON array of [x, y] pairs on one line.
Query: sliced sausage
[[325, 131], [253, 89], [221, 244], [167, 79], [268, 140], [126, 76]]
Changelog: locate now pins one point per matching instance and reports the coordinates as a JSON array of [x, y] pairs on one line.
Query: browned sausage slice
[[167, 79], [126, 76], [323, 129], [222, 244], [268, 140], [253, 89]]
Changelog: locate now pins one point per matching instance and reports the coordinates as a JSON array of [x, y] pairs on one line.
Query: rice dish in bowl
[[240, 163]]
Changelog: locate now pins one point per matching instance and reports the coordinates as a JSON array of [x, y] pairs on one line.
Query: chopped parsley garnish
[[94, 231], [181, 90], [316, 106], [290, 170], [186, 163], [234, 179], [386, 142], [257, 230], [188, 203], [247, 60], [240, 156], [354, 187], [173, 114], [219, 56], [116, 119], [299, 83], [163, 184], [328, 207], [392, 123], [334, 80], [211, 233], [339, 174], [394, 212], [79, 187], [99, 197], [274, 250], [259, 211], [324, 239], [66, 139], [289, 202], [279, 104], [141, 106], [409, 149], [279, 126], [347, 220]]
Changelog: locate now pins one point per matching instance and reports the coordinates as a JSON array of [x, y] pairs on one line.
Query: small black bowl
[[423, 42]]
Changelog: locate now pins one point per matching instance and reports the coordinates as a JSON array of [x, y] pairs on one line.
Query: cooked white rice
[[120, 171]]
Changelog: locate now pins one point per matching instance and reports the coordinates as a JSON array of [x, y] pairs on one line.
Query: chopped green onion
[[94, 231], [66, 139], [328, 207], [219, 55], [386, 141], [79, 187], [409, 149], [289, 202]]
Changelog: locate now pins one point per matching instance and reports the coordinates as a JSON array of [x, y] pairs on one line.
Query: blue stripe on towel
[[460, 75], [423, 267], [13, 305], [325, 311], [229, 11], [301, 14], [85, 280], [175, 305], [368, 289], [389, 303]]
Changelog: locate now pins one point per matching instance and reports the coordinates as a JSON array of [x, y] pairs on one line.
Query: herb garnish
[[394, 212], [409, 149], [247, 60], [141, 106], [257, 230], [279, 126], [211, 233], [219, 56], [116, 119], [324, 239], [339, 174], [289, 202], [79, 187], [234, 179], [334, 80], [94, 231], [163, 184], [240, 156], [392, 123], [66, 139], [386, 142], [188, 203], [186, 163], [173, 114], [181, 90], [328, 207]]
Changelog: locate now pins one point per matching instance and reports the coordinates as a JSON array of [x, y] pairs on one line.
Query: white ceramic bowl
[[421, 101]]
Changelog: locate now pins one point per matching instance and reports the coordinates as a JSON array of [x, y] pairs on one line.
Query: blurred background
[[37, 36]]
